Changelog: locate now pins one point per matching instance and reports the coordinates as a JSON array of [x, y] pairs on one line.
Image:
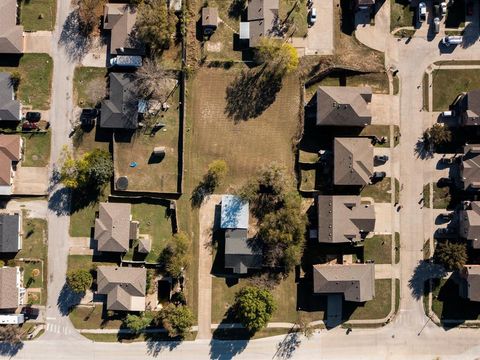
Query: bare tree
[[151, 81]]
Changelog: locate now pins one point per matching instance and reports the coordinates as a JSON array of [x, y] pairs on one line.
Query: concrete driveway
[[36, 209], [38, 42], [387, 167], [383, 218], [320, 35], [30, 181], [385, 109], [374, 36]]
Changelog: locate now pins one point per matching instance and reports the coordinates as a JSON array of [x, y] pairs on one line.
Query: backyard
[[89, 86], [36, 79], [448, 84], [152, 173], [36, 149], [379, 249], [38, 14]]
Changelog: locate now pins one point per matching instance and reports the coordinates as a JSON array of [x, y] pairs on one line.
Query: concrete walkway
[[80, 246]]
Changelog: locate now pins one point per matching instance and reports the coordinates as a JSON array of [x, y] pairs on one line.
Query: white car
[[422, 12], [443, 7], [312, 16]]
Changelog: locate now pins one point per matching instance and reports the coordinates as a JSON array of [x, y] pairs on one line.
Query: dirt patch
[[95, 90], [213, 46]]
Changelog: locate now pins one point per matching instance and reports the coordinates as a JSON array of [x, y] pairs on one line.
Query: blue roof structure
[[234, 213]]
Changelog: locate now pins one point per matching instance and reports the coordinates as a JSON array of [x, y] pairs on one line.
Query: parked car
[[312, 16], [448, 113], [126, 61], [452, 40], [436, 25], [33, 116], [309, 3], [380, 159], [422, 12], [443, 7], [445, 233], [26, 126], [446, 216], [378, 176]]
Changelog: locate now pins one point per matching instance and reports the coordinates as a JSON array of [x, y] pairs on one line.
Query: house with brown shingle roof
[[113, 227], [469, 221], [123, 286], [120, 20], [469, 107], [344, 219], [470, 282], [11, 291], [353, 161], [11, 34], [10, 155], [344, 106], [356, 282], [262, 18], [470, 167]]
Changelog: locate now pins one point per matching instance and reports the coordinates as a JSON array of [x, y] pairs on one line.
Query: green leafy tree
[[175, 255], [279, 56], [217, 170], [436, 135], [15, 79], [254, 307], [100, 167], [137, 323], [155, 24], [79, 280], [10, 334], [73, 173], [177, 320], [452, 255]]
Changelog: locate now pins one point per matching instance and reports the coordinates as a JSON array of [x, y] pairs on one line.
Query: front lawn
[[37, 149], [449, 83], [38, 14], [82, 218], [441, 197], [93, 317], [36, 79], [401, 14], [377, 308], [89, 86], [88, 262], [380, 191], [379, 249], [380, 131]]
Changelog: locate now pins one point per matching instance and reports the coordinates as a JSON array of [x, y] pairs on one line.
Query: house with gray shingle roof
[[113, 227], [10, 109], [120, 20], [469, 220], [123, 286], [10, 233], [11, 290], [120, 111], [262, 18], [353, 161], [11, 34], [469, 285], [344, 219], [356, 282], [10, 155], [470, 167], [344, 106], [469, 107]]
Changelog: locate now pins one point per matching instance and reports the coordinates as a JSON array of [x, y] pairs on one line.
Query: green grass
[[154, 222], [377, 81], [426, 195], [426, 250], [305, 157], [36, 80], [307, 179], [448, 84], [89, 85], [379, 249], [84, 262], [137, 338], [242, 334], [37, 149], [397, 247], [396, 85], [448, 305], [425, 92], [397, 295], [380, 191], [298, 15], [29, 279], [30, 14], [401, 15], [379, 131], [377, 308], [441, 197], [83, 219], [92, 318]]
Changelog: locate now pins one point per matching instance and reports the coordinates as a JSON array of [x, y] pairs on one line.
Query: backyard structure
[[124, 287], [10, 233], [470, 168], [11, 289], [241, 253], [262, 18], [343, 106], [10, 155], [114, 227], [11, 34], [344, 219], [209, 20], [353, 161], [120, 111], [10, 109], [120, 20]]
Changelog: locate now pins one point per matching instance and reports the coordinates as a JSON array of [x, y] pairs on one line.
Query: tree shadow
[[67, 300], [75, 42], [228, 342], [423, 150], [158, 342], [237, 9], [424, 271], [59, 202], [251, 93], [10, 350], [286, 348]]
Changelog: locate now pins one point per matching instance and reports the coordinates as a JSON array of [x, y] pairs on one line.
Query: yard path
[[205, 261]]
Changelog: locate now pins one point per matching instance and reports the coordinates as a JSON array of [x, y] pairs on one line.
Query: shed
[[210, 17], [144, 244], [159, 150]]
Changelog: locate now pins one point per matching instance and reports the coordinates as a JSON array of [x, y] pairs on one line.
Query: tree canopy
[[175, 255], [155, 24], [279, 56], [79, 280], [452, 255], [177, 320], [436, 135], [87, 14], [137, 323], [217, 170], [254, 307]]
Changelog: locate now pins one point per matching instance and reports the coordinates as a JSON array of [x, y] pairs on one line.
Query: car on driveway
[[312, 16], [33, 116], [380, 159], [443, 6], [422, 12], [378, 176]]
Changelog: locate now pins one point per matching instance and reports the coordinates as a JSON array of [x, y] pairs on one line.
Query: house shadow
[[156, 158]]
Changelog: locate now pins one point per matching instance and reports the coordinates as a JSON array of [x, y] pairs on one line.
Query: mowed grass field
[[246, 146], [38, 14]]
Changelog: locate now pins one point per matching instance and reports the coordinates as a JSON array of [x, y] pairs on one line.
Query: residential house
[[470, 168], [469, 107], [123, 286], [469, 286], [344, 219], [10, 109], [10, 233], [10, 155], [121, 110], [353, 161], [209, 20], [262, 18], [241, 253], [114, 227], [120, 20], [469, 221], [344, 106], [11, 34], [12, 292], [356, 282]]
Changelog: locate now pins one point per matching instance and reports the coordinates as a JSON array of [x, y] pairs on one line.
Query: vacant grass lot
[[38, 14], [379, 249], [152, 173], [448, 84], [380, 191], [36, 80], [401, 14], [89, 86], [377, 308], [448, 305], [37, 149]]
